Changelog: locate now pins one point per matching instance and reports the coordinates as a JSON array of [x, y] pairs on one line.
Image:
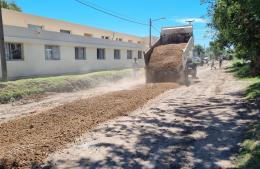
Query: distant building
[[41, 46]]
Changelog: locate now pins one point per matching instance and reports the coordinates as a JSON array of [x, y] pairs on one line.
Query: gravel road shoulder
[[39, 104]]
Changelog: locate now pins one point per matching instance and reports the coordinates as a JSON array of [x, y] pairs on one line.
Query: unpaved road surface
[[31, 138], [198, 127], [37, 105]]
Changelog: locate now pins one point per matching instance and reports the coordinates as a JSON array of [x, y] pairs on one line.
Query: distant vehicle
[[206, 61], [197, 60]]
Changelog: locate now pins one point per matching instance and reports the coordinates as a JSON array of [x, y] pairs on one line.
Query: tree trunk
[[2, 49], [256, 65]]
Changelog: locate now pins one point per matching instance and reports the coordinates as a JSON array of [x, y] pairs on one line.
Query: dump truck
[[169, 58]]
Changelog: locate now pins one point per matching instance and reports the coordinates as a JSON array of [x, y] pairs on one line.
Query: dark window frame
[[65, 31], [52, 46], [99, 57], [34, 27], [77, 57], [140, 54], [10, 56], [129, 54], [117, 56], [105, 37]]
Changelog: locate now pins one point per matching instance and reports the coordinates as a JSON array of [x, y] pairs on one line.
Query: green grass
[[243, 71], [240, 69], [14, 90], [253, 91], [249, 157]]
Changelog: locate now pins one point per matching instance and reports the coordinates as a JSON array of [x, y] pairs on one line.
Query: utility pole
[[2, 48], [150, 29], [150, 33]]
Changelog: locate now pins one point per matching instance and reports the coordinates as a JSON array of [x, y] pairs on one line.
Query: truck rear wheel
[[186, 77]]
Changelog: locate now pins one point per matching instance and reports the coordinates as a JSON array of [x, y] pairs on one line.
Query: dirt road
[[198, 127], [32, 106], [30, 139]]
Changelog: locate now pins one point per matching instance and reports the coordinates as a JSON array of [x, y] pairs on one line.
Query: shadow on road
[[202, 137]]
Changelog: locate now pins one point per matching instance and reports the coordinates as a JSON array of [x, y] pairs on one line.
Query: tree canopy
[[237, 25], [10, 5], [199, 50]]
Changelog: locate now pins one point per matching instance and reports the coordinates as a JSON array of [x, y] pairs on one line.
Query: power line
[[93, 6], [115, 13], [156, 29]]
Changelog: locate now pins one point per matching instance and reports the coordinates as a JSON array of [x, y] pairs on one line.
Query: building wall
[[19, 19], [146, 41], [34, 41], [34, 62]]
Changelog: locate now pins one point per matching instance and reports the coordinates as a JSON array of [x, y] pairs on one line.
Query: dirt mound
[[30, 139], [166, 57], [165, 63]]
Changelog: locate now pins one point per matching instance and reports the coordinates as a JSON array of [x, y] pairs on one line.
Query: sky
[[175, 12]]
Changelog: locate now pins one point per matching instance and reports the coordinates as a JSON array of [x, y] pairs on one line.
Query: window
[[14, 51], [52, 52], [130, 41], [88, 35], [117, 55], [119, 39], [65, 31], [139, 42], [105, 37], [100, 54], [35, 27], [129, 54], [80, 53], [140, 54]]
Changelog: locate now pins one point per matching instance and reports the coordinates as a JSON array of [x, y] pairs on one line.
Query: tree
[[215, 49], [237, 25], [199, 50], [10, 5]]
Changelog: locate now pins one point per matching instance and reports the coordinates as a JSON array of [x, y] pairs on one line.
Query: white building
[[42, 46]]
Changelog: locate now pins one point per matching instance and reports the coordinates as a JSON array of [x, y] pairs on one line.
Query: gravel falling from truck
[[165, 63]]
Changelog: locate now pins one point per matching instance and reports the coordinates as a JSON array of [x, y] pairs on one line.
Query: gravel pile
[[165, 63], [30, 139]]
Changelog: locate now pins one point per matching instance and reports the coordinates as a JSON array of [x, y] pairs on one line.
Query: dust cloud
[[131, 80]]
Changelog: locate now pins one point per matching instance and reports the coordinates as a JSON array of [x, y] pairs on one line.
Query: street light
[[150, 27]]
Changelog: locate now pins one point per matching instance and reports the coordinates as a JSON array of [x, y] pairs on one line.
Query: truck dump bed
[[166, 59]]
